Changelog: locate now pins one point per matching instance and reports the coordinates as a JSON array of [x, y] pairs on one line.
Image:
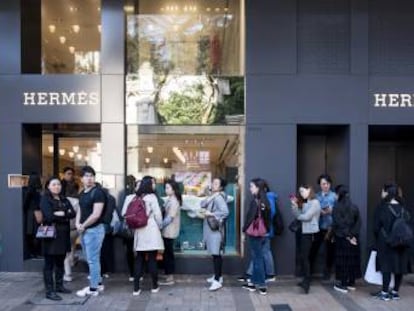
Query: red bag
[[136, 215], [257, 228]]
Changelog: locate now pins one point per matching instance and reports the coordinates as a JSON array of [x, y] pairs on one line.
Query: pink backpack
[[136, 215]]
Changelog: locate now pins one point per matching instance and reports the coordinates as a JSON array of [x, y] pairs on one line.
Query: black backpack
[[401, 234], [109, 206], [277, 221]]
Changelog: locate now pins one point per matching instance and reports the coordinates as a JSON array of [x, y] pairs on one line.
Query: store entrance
[[47, 150], [391, 154], [322, 149]]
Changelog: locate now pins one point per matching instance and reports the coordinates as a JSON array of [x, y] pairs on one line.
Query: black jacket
[[61, 244], [346, 220], [252, 214]]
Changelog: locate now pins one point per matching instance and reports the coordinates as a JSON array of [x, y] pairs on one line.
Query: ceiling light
[[79, 156], [150, 149], [99, 9], [76, 28], [208, 9], [86, 158], [147, 160], [217, 9], [50, 148], [62, 39], [75, 149], [179, 154], [99, 28], [52, 28], [71, 154], [165, 160], [72, 49], [62, 152]]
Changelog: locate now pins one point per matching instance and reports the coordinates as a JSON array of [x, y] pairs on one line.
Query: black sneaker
[[394, 295], [384, 296], [263, 291], [249, 287], [339, 288]]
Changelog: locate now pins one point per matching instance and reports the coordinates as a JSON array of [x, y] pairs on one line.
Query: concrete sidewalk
[[24, 292]]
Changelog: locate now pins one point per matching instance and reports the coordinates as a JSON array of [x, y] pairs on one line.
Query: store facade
[[284, 90]]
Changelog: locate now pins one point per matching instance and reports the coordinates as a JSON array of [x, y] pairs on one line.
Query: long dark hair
[[261, 195], [47, 191], [35, 182], [393, 192], [176, 190], [343, 196], [145, 187]]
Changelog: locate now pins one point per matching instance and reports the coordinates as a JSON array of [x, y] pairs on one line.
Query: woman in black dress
[[390, 259], [57, 211], [346, 227]]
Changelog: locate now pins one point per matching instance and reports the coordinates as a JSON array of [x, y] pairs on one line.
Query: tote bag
[[372, 276]]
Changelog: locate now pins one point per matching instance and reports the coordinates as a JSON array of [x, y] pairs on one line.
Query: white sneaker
[[131, 279], [215, 286], [67, 278], [212, 279], [136, 293], [101, 288], [155, 290], [87, 292]]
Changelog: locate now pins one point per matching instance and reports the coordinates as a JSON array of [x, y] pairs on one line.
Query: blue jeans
[[257, 255], [268, 260], [92, 240]]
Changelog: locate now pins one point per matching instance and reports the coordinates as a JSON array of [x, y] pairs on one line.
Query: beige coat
[[172, 209], [149, 237]]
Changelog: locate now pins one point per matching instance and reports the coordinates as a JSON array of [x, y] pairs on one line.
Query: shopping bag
[[372, 276]]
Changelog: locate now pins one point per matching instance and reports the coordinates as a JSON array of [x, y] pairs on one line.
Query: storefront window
[[71, 36]]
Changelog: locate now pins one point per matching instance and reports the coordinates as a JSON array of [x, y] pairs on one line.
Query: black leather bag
[[295, 226]]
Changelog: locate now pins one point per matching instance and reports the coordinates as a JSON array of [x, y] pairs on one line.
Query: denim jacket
[[326, 199]]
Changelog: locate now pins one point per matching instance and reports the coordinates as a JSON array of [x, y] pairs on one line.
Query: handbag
[[122, 230], [295, 226], [372, 276], [46, 232], [257, 228], [212, 221]]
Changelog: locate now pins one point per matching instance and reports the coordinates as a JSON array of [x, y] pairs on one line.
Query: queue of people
[[327, 218]]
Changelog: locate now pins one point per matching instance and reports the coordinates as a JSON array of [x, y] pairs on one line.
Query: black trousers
[[130, 255], [386, 280], [307, 242], [218, 266], [169, 258], [152, 268], [329, 253], [107, 254], [53, 264]]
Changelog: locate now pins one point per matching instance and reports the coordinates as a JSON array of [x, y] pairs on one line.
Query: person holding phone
[[307, 210], [346, 226]]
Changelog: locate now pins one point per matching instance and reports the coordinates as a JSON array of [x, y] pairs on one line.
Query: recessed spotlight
[[76, 28], [52, 28], [62, 152], [71, 154], [165, 160], [79, 156], [99, 28], [147, 160], [75, 149], [62, 39], [50, 148], [72, 49], [150, 149]]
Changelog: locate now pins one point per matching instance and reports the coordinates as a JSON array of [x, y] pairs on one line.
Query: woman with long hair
[[214, 229], [307, 210], [390, 259], [57, 211], [148, 240], [257, 225], [346, 226], [171, 228]]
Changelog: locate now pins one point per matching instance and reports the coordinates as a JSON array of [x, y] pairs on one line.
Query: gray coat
[[216, 204]]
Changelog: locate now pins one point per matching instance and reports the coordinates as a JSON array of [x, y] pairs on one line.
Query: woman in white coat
[[148, 240]]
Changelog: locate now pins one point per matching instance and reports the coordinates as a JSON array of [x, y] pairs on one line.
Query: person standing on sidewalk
[[306, 209], [148, 240], [57, 211], [89, 224], [346, 227], [215, 207], [327, 199], [171, 228], [256, 227]]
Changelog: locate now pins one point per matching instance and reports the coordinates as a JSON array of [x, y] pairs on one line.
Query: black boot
[[305, 284], [49, 285], [60, 288]]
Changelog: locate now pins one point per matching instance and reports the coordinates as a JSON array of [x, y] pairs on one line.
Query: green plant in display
[[233, 104]]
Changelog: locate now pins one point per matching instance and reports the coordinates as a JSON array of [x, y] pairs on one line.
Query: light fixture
[[75, 149], [62, 152], [179, 154], [50, 148], [165, 160], [147, 160], [150, 149], [76, 28], [208, 9], [72, 49], [62, 39], [52, 28], [99, 28], [99, 9], [217, 9], [79, 156], [86, 158], [71, 154]]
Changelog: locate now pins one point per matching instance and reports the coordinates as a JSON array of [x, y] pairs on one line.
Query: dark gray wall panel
[[359, 37], [322, 99], [113, 94], [270, 36], [112, 44], [10, 37], [271, 154]]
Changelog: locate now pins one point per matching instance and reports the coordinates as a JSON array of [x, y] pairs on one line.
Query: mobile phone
[[292, 196]]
